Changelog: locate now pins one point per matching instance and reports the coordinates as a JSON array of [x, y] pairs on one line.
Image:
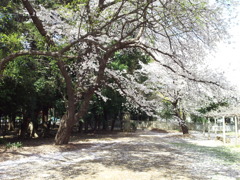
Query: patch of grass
[[14, 145], [226, 154], [238, 146]]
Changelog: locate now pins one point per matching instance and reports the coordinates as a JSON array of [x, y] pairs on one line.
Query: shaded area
[[143, 155]]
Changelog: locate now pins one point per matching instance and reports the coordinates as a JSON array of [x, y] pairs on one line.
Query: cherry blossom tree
[[185, 96], [84, 35]]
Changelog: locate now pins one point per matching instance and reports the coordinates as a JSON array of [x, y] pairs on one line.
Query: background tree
[[178, 96]]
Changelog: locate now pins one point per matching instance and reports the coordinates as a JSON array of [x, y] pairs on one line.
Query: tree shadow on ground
[[142, 155], [32, 142], [152, 154]]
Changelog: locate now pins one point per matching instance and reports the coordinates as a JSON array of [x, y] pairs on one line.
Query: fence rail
[[192, 126]]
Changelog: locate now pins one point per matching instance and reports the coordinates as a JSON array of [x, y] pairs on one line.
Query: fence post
[[236, 130], [208, 128], [224, 130], [204, 127], [215, 126]]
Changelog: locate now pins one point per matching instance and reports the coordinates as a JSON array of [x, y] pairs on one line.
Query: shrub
[[14, 145]]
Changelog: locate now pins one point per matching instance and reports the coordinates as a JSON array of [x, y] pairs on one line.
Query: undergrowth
[[14, 145]]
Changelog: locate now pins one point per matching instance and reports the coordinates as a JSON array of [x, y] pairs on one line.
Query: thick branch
[[37, 22], [91, 90], [82, 39]]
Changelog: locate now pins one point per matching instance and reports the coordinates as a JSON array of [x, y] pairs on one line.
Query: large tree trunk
[[11, 123], [184, 129], [105, 120], [64, 131], [68, 121], [24, 126], [66, 124], [121, 120], [86, 125], [183, 125], [181, 116], [96, 122], [44, 122], [113, 122], [32, 130], [80, 127]]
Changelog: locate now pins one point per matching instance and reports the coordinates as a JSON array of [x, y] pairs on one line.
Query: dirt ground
[[144, 155]]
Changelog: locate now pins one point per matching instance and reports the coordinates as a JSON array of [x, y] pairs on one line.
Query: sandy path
[[143, 156]]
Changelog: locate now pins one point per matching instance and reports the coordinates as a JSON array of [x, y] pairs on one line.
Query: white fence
[[192, 126]]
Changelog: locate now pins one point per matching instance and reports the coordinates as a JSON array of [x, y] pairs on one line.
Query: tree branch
[[37, 22], [146, 49]]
